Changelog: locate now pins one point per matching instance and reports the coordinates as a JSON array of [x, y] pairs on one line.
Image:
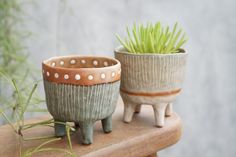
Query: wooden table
[[140, 138]]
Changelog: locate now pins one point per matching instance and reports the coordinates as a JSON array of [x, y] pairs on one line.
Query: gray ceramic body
[[75, 103], [154, 79], [83, 105]]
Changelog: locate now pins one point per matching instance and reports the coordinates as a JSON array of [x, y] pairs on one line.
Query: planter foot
[[129, 110], [107, 124], [169, 110], [86, 129], [138, 109], [60, 129], [159, 113]]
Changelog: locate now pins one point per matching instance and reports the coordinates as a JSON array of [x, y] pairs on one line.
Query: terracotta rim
[[165, 93], [81, 70], [122, 50]]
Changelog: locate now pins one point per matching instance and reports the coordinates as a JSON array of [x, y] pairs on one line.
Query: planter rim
[[120, 49], [81, 75], [81, 56]]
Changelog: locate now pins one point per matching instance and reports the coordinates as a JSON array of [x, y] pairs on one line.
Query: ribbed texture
[[81, 103], [151, 73]]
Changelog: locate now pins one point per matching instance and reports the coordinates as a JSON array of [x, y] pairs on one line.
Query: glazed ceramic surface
[[81, 89], [152, 79]]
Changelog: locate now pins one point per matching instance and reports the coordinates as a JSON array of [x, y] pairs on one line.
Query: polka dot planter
[[153, 79], [82, 89]]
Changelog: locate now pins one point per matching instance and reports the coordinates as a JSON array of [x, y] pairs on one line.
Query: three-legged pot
[[81, 89], [150, 79]]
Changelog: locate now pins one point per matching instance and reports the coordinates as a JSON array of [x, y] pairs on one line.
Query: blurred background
[[207, 104]]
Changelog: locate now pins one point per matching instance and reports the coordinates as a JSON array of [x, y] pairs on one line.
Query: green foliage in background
[[153, 38], [18, 82], [13, 54]]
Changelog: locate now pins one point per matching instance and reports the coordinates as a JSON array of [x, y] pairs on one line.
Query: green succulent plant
[[153, 38]]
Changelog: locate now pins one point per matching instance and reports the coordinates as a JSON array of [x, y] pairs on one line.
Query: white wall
[[208, 102]]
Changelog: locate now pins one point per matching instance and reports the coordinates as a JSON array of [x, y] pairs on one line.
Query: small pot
[[81, 89], [152, 79]]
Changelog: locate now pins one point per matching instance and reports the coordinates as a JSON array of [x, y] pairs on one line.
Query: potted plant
[[81, 89], [153, 64]]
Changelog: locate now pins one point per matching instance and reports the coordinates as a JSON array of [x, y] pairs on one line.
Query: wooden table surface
[[139, 138]]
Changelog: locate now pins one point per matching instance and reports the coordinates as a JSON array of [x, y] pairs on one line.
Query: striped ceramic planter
[[153, 79], [81, 89]]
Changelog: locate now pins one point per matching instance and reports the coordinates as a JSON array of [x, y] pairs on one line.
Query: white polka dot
[[103, 76], [95, 62], [72, 61], [53, 64], [90, 77], [77, 77], [43, 71], [113, 74], [105, 64], [66, 76], [48, 74], [56, 75], [83, 61], [61, 62]]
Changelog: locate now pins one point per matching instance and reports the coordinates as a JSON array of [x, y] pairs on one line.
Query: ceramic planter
[[82, 89], [152, 79]]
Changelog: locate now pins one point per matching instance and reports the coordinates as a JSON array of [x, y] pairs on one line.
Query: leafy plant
[[17, 123], [153, 39], [18, 82], [13, 55]]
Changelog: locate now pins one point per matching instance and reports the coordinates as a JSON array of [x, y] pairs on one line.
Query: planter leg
[[86, 129], [107, 124], [60, 129], [169, 110], [129, 110], [159, 113], [138, 109]]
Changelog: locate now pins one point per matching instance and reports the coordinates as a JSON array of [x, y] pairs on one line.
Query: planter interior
[[82, 89]]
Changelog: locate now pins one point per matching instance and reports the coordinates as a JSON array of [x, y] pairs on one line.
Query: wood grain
[[137, 139], [152, 155]]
